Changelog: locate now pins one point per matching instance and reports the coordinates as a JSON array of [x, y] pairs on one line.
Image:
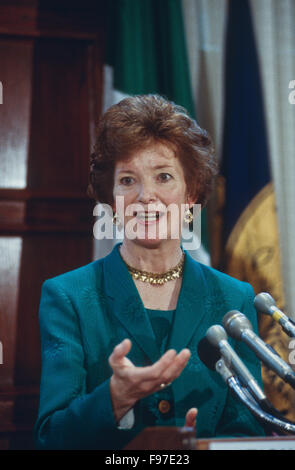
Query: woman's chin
[[149, 243], [151, 235], [152, 243]]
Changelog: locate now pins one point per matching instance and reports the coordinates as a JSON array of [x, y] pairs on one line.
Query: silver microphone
[[239, 327], [217, 337], [209, 351], [264, 303], [273, 422]]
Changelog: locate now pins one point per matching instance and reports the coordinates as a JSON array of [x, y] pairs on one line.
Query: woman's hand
[[190, 418], [130, 383]]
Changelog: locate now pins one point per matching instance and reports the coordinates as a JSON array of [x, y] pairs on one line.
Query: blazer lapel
[[130, 311], [127, 304], [191, 306]]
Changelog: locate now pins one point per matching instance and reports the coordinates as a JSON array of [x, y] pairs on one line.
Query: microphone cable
[[211, 357], [238, 391]]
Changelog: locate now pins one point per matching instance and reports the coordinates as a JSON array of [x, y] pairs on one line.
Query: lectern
[[177, 438]]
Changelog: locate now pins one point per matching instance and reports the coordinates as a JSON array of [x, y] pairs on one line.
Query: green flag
[[146, 53]]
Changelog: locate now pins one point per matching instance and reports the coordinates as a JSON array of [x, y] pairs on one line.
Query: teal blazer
[[85, 313]]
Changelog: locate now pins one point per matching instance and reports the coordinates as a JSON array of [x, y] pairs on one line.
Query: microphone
[[217, 337], [239, 327], [264, 303], [265, 413], [211, 357], [272, 422]]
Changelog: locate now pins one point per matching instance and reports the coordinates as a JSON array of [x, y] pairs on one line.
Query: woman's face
[[149, 183]]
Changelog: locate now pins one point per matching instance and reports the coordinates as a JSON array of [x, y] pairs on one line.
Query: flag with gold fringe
[[249, 231]]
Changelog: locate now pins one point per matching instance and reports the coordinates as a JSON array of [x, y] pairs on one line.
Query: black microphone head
[[263, 303], [235, 322], [215, 334], [208, 354]]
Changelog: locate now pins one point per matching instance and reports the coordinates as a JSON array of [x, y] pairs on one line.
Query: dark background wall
[[51, 58]]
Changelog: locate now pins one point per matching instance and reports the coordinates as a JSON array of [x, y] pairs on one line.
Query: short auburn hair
[[139, 121]]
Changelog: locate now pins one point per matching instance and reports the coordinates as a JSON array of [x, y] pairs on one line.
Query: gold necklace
[[156, 278]]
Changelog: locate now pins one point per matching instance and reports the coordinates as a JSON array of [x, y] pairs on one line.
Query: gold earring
[[188, 217]]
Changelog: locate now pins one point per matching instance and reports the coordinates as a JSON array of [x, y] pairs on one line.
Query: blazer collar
[[128, 306], [191, 305], [130, 311]]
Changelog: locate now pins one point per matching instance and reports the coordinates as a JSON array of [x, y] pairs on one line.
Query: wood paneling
[[52, 18], [15, 75], [59, 116], [51, 57], [10, 255], [56, 214]]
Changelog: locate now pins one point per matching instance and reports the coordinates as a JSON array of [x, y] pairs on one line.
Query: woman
[[120, 335]]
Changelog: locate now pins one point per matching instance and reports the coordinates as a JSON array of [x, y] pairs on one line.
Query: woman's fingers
[[176, 366], [165, 370], [117, 357], [130, 383], [190, 418], [122, 348], [156, 370], [147, 379]]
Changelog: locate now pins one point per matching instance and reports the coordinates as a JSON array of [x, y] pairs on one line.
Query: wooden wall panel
[[51, 59], [10, 256], [15, 75], [59, 117]]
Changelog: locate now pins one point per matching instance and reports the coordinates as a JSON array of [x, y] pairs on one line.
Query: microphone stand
[[237, 390]]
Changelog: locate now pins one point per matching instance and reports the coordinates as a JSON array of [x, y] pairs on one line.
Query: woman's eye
[[164, 177], [126, 180]]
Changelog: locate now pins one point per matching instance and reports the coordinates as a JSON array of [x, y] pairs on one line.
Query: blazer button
[[164, 406]]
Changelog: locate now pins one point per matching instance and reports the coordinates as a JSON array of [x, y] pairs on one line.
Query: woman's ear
[[190, 201]]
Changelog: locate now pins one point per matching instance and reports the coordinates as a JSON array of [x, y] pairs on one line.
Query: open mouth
[[151, 216], [147, 215]]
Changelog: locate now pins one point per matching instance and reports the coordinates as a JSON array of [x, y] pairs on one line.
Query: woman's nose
[[146, 193]]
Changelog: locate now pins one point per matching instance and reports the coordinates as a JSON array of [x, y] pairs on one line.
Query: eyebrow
[[160, 167], [157, 167]]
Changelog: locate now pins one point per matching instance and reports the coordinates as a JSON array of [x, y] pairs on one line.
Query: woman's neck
[[152, 259]]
